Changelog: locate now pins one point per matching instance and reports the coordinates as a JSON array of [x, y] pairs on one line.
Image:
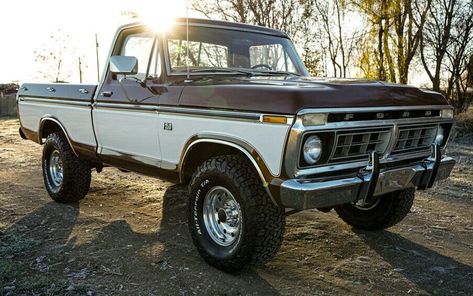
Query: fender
[[46, 118], [249, 151]]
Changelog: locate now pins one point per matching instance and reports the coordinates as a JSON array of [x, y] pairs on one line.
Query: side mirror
[[123, 65]]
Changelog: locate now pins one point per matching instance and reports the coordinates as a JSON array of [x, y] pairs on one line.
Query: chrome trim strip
[[356, 164], [370, 123], [210, 112], [23, 99], [50, 118], [248, 116], [243, 150], [372, 109], [127, 107]]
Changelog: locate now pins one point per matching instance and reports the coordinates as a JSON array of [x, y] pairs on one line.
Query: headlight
[[440, 136], [446, 113], [312, 149]]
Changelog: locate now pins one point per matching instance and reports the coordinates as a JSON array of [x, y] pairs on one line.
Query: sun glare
[[161, 15]]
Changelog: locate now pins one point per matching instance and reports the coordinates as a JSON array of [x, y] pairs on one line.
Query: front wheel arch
[[200, 150]]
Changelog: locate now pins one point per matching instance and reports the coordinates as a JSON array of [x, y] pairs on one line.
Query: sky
[[26, 26]]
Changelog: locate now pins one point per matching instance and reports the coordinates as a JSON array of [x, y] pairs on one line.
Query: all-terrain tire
[[76, 173], [263, 222], [389, 211]]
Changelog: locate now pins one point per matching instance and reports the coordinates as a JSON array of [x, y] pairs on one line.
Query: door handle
[[107, 94], [83, 91], [158, 90], [51, 89]]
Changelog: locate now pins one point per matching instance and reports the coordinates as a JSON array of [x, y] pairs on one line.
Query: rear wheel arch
[[49, 125]]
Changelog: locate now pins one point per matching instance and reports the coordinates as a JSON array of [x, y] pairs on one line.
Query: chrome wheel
[[367, 206], [222, 216], [56, 170]]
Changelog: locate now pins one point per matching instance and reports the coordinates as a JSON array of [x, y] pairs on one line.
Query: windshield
[[216, 50]]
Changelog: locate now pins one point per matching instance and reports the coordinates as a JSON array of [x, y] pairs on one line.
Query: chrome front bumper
[[371, 181]]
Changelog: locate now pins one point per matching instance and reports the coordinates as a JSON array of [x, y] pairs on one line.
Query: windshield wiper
[[243, 72], [221, 70], [273, 72]]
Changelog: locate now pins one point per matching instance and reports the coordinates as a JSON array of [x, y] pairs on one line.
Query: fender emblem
[[168, 126]]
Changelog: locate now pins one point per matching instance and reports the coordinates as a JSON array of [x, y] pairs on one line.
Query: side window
[[139, 46], [272, 55]]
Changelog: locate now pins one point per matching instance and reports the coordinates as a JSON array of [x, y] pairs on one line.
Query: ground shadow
[[426, 268], [51, 222], [114, 258]]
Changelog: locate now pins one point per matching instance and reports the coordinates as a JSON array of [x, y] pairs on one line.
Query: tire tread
[[262, 214]]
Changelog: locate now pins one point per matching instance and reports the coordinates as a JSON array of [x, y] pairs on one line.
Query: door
[[125, 110]]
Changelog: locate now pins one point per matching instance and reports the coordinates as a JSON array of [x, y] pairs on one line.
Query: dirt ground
[[129, 236]]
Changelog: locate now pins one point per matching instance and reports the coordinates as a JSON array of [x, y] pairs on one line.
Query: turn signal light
[[275, 119]]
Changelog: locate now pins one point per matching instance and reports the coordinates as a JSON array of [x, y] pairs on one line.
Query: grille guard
[[369, 182]]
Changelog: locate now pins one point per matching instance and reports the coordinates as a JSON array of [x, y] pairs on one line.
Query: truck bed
[[79, 92], [69, 105]]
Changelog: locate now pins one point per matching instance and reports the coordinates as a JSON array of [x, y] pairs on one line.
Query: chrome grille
[[356, 144], [415, 138]]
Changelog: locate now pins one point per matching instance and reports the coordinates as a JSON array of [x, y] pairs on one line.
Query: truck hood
[[290, 95]]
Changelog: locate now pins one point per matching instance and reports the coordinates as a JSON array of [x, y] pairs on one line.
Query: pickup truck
[[230, 110]]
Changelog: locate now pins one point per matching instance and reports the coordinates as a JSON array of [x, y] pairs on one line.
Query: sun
[[160, 15]]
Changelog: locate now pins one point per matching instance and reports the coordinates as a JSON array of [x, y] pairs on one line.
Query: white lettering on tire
[[196, 201]]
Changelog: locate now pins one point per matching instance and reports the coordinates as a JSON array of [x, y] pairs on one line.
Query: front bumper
[[309, 194]]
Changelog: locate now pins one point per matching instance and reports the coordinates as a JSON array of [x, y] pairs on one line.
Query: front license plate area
[[394, 180]]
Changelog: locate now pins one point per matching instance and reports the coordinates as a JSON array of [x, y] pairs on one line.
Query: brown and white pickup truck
[[230, 110]]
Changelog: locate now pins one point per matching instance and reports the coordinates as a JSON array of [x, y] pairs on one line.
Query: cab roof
[[220, 24]]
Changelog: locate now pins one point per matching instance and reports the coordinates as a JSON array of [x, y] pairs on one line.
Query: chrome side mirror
[[123, 65]]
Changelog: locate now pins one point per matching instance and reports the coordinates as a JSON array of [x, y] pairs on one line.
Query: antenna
[[187, 39], [97, 57]]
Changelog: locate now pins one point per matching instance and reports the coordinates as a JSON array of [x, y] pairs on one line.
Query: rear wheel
[[66, 177], [232, 220], [381, 213]]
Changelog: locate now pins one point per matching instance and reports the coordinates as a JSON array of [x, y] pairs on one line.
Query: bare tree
[[51, 58], [278, 14], [409, 19], [447, 48], [459, 55], [436, 38], [399, 26], [340, 43]]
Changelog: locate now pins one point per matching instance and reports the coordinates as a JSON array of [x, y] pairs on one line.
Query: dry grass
[[464, 123]]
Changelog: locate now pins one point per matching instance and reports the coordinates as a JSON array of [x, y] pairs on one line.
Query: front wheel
[[232, 220], [381, 213], [66, 177]]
